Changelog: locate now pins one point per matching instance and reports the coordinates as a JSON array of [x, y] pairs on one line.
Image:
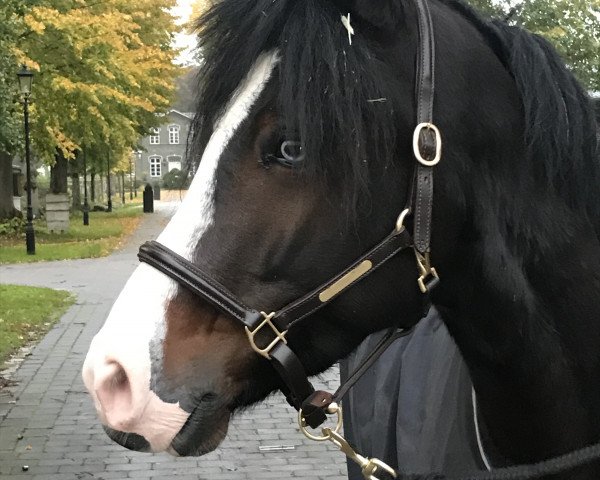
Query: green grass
[[26, 313], [105, 232]]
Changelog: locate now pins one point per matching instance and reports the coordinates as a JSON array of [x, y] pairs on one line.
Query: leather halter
[[275, 325]]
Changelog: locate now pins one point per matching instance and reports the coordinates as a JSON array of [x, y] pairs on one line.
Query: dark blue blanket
[[413, 409]]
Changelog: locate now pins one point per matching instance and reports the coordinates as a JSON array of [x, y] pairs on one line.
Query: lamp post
[[25, 82], [86, 205], [139, 158], [109, 209]]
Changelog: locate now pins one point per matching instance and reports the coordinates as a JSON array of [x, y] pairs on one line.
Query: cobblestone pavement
[[47, 421]]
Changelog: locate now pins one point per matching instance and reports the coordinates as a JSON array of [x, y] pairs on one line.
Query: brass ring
[[401, 218], [320, 438]]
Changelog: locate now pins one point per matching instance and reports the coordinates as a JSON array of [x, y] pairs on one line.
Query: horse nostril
[[114, 393], [120, 380]]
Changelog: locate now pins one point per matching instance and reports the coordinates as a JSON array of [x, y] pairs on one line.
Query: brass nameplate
[[345, 281]]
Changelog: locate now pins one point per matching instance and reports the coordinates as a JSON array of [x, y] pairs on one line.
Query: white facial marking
[[196, 213], [122, 347]]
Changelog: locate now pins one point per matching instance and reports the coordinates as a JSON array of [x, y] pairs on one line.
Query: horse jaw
[[127, 351]]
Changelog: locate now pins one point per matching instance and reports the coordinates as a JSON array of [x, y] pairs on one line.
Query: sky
[[183, 10]]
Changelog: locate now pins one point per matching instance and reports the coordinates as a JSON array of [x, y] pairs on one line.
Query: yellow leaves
[[24, 59], [61, 141], [200, 7], [555, 33], [105, 69], [63, 83], [34, 24]]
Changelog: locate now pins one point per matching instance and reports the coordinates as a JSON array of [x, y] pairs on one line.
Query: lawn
[[26, 313], [105, 232]]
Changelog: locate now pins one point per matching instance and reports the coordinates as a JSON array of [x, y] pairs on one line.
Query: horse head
[[304, 145]]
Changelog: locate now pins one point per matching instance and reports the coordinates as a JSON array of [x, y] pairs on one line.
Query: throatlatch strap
[[301, 308]]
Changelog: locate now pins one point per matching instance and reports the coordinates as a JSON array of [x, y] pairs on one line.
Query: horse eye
[[289, 155], [292, 151]]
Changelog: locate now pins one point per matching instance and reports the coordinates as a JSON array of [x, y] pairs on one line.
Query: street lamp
[[25, 81], [139, 160]]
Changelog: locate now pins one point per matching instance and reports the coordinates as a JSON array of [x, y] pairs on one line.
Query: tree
[[10, 115], [105, 72], [572, 26]]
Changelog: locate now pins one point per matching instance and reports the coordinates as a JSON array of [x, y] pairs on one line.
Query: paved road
[[47, 421]]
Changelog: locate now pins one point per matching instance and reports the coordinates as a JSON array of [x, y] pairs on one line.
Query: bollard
[[156, 189], [148, 199]]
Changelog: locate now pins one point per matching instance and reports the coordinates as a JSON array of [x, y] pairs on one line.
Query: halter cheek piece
[[267, 331]]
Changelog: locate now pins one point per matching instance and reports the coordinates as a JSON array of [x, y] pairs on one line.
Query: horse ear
[[383, 14]]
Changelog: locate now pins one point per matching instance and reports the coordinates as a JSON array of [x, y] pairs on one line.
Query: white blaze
[[137, 317]]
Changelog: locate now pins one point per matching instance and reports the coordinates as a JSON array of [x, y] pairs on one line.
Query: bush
[[13, 226], [175, 180]]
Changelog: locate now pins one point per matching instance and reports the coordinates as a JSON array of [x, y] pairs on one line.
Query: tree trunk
[[123, 188], [76, 192], [93, 185], [7, 209], [74, 167], [58, 174], [101, 190]]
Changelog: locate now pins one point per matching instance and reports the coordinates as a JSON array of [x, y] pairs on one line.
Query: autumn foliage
[[104, 71]]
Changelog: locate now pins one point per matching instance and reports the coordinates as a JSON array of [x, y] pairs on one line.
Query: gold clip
[[279, 336], [368, 466], [425, 269]]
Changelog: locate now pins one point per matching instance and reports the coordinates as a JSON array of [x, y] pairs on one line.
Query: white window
[[155, 136], [174, 162], [155, 166], [174, 134]]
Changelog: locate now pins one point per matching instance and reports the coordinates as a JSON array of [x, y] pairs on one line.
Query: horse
[[304, 139]]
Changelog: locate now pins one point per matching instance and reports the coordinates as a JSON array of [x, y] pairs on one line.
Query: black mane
[[327, 89], [334, 112], [559, 115]]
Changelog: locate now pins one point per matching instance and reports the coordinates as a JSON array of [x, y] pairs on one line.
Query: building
[[165, 148]]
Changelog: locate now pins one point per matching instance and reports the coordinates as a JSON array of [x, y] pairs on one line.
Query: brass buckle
[[417, 142], [279, 336], [426, 270]]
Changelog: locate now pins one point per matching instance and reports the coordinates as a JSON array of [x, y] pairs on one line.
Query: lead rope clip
[[369, 467]]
